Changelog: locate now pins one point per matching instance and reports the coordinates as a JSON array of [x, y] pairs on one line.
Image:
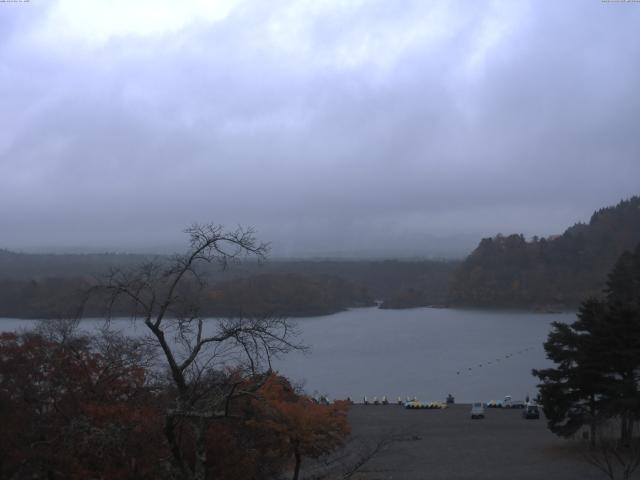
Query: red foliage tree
[[77, 408], [80, 407], [298, 425]]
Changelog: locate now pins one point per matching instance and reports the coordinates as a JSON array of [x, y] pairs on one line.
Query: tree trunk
[[200, 471], [296, 471], [176, 454], [593, 424], [623, 428]]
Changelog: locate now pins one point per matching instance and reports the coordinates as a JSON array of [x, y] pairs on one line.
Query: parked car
[[477, 411], [531, 412]]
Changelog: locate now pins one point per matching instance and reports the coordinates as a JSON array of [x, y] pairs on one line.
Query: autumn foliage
[[91, 407], [75, 409], [299, 425]]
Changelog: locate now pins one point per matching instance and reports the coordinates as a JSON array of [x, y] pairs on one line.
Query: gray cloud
[[330, 127]]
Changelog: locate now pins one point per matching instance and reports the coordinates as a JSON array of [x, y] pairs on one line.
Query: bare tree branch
[[166, 295]]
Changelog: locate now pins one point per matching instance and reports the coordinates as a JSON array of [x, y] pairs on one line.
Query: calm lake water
[[423, 352]]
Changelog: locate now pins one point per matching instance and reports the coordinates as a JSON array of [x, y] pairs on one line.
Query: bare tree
[[614, 458], [197, 352]]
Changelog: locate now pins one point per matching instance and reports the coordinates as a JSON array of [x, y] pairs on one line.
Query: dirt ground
[[448, 445]]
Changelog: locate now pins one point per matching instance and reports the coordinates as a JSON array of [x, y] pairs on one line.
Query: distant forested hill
[[289, 295], [397, 283], [33, 266], [558, 272], [51, 285]]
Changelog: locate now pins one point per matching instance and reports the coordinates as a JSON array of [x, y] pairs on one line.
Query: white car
[[477, 410]]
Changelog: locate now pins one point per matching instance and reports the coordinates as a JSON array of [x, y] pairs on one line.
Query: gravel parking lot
[[447, 444]]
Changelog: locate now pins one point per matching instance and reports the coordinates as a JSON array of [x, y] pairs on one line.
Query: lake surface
[[423, 352]]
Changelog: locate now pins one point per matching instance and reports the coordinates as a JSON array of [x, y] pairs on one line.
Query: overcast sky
[[331, 126]]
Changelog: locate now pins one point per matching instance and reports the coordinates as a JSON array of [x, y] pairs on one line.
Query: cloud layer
[[331, 126]]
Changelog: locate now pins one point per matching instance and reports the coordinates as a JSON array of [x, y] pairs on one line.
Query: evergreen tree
[[571, 393], [597, 372], [620, 339]]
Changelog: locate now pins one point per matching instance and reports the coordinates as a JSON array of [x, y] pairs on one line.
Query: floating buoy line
[[497, 360]]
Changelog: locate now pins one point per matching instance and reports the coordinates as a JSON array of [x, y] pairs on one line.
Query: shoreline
[[467, 308]]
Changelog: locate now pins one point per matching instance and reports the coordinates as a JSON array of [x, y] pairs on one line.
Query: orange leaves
[[92, 412], [301, 424]]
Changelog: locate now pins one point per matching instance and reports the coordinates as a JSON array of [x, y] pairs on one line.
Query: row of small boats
[[425, 405], [409, 403]]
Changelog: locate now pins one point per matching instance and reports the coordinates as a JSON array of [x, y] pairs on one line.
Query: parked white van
[[477, 410]]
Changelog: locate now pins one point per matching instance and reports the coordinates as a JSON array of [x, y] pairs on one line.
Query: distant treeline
[[34, 266], [289, 295], [505, 271], [397, 283], [552, 273], [45, 286], [54, 297]]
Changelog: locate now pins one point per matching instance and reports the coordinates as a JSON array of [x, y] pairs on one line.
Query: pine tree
[[597, 372], [620, 339], [571, 392]]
